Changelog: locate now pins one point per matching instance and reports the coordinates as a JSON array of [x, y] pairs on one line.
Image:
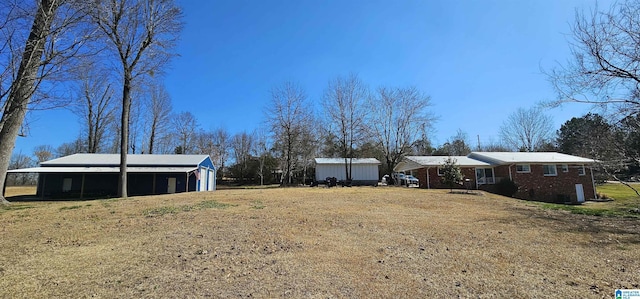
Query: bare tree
[[185, 128], [43, 153], [70, 148], [261, 150], [242, 144], [527, 129], [458, 145], [95, 106], [494, 146], [158, 116], [605, 69], [422, 146], [141, 34], [29, 57], [19, 161], [398, 118], [286, 114], [222, 144], [136, 120], [309, 147], [135, 125], [344, 109]]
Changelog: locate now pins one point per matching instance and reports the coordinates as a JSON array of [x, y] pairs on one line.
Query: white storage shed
[[364, 171]]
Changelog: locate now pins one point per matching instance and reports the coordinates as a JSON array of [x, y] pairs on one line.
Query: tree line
[[352, 122], [113, 52]]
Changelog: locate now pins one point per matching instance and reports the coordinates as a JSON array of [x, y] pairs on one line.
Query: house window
[[549, 170], [485, 176], [66, 184], [581, 170], [523, 168], [565, 167], [440, 173]]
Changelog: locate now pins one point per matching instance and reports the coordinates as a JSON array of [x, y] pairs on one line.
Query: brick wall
[[560, 188], [435, 181], [532, 186]]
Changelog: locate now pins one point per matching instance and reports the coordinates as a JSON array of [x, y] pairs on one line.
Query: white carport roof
[[132, 159], [103, 170], [416, 162]]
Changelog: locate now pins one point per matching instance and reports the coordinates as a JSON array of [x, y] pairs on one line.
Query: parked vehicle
[[405, 179], [385, 179], [411, 180]]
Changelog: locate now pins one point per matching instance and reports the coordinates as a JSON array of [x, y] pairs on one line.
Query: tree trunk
[[261, 173], [346, 167], [124, 134], [23, 87], [152, 136]]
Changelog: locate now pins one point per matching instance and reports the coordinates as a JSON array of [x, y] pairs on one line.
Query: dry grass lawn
[[313, 243]]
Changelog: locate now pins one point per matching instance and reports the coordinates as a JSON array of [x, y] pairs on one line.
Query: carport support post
[[82, 187], [44, 181], [186, 187], [593, 183], [475, 172], [428, 183]]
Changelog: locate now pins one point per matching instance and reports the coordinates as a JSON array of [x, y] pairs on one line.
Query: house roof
[[484, 159], [340, 161], [501, 158], [416, 162], [439, 160], [132, 160]]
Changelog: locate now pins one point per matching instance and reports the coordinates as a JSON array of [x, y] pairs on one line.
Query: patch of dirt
[[314, 243]]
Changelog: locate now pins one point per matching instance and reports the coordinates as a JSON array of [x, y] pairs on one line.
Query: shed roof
[[502, 158], [132, 159], [340, 161], [56, 169]]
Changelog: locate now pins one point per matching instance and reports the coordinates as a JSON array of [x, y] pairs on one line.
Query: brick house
[[541, 176], [427, 169]]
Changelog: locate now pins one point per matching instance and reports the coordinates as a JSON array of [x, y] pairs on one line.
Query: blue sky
[[478, 60]]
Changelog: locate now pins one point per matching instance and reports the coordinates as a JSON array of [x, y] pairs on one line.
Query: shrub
[[506, 187], [451, 173]]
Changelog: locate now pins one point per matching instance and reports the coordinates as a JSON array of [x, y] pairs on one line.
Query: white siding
[[211, 179], [366, 172], [203, 179]]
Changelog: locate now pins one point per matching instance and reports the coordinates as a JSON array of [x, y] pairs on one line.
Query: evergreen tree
[[451, 174]]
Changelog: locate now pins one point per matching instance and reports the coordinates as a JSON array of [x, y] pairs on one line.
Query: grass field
[[625, 203], [20, 190], [313, 243]]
